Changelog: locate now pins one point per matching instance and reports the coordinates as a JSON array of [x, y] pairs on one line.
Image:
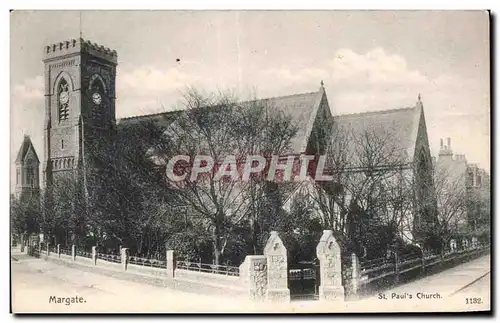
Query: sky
[[368, 61]]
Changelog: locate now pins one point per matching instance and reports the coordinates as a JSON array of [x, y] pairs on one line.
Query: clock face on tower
[[96, 97], [63, 97]]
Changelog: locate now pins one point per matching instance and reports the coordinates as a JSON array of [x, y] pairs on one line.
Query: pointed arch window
[[63, 98]]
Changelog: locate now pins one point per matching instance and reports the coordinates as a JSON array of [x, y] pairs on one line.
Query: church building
[[80, 96]]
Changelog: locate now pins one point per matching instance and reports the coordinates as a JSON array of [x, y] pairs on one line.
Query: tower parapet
[[78, 45]]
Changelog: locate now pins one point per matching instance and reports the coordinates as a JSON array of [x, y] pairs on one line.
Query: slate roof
[[23, 151], [397, 128], [162, 119], [302, 108]]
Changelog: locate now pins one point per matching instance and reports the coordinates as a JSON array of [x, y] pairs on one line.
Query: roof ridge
[[355, 114], [149, 115], [282, 96], [246, 101], [25, 147]]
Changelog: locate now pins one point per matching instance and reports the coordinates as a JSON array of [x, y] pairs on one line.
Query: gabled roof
[[396, 130], [26, 146], [302, 108]]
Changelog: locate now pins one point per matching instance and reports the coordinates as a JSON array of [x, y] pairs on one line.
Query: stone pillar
[[356, 274], [396, 265], [124, 257], [474, 242], [171, 264], [58, 250], [329, 254], [277, 270], [48, 248], [253, 273], [94, 255], [73, 252], [453, 245], [465, 243]]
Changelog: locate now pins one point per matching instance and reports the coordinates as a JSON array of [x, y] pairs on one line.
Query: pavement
[[465, 287], [449, 281], [35, 281]]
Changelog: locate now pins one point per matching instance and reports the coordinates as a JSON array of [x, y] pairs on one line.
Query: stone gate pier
[[277, 270], [253, 273], [329, 255]]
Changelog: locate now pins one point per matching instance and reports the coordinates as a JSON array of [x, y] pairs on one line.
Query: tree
[[128, 197], [452, 201], [63, 210], [24, 215], [218, 126], [371, 196]]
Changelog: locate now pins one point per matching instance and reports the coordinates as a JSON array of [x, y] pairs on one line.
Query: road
[[35, 281]]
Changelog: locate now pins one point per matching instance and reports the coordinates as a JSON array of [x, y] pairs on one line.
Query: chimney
[[445, 150]]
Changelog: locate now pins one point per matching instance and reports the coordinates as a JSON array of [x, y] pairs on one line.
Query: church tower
[[27, 171], [79, 104]]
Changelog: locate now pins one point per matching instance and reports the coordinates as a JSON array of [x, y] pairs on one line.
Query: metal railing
[[301, 273], [110, 258], [65, 251], [208, 268], [377, 269], [34, 251], [83, 254], [153, 263]]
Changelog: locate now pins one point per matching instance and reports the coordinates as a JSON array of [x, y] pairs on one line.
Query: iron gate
[[304, 280]]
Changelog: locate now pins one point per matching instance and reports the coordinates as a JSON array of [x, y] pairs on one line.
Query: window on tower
[[30, 176], [63, 99]]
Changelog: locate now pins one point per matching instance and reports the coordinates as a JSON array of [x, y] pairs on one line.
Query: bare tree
[[372, 183], [452, 202], [218, 126]]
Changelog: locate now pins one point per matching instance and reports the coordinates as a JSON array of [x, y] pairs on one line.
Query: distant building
[[469, 180], [27, 171]]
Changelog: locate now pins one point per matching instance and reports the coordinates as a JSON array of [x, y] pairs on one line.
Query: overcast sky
[[368, 61]]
